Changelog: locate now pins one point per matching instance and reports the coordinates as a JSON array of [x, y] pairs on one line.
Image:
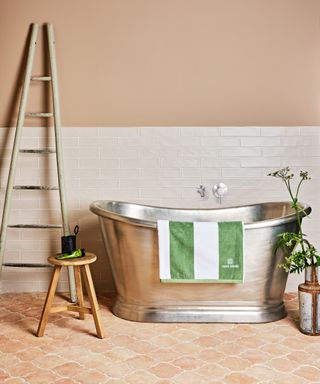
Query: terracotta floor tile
[[91, 376], [206, 341], [185, 335], [250, 342], [70, 369], [211, 329], [235, 363], [14, 381], [42, 376], [71, 353], [119, 354], [302, 357], [48, 361], [239, 378], [164, 355], [211, 355], [308, 372], [256, 356], [271, 337], [262, 373], [3, 375], [281, 364], [29, 354], [230, 348], [165, 370], [288, 379], [312, 348], [167, 328], [8, 359], [141, 362], [93, 360], [11, 317], [21, 369], [117, 370], [245, 330], [142, 346], [190, 378], [287, 331], [187, 363], [121, 341], [139, 377], [227, 335], [275, 349], [295, 342], [212, 371], [163, 341], [12, 346], [188, 348], [145, 334]]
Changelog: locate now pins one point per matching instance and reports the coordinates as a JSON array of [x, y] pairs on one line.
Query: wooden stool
[[81, 263]]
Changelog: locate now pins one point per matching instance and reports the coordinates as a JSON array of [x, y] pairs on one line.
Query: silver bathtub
[[130, 237]]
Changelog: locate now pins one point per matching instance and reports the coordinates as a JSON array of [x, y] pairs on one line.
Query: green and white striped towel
[[201, 252]]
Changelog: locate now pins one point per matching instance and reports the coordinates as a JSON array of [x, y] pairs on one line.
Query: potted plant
[[302, 256]]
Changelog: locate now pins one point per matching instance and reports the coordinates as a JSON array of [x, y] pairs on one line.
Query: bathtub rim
[[96, 208]]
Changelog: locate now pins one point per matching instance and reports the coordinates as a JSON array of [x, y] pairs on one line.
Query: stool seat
[[79, 264], [89, 258]]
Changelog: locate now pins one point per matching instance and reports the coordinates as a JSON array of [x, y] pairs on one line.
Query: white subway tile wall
[[152, 165]]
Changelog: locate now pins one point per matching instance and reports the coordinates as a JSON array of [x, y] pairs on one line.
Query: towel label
[[230, 264]]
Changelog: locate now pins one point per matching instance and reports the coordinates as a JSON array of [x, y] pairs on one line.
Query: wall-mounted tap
[[219, 190], [201, 190]]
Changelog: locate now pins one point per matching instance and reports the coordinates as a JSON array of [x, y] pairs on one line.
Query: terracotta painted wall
[[171, 62]]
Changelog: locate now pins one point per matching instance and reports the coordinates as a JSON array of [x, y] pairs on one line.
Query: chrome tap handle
[[219, 190]]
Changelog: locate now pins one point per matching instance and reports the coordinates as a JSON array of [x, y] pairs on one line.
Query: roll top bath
[[130, 234]]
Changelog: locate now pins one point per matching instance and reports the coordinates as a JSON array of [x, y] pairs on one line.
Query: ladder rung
[[41, 78], [27, 265], [36, 187], [39, 114], [42, 151], [35, 226]]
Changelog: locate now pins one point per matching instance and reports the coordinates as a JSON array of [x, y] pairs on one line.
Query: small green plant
[[302, 253]]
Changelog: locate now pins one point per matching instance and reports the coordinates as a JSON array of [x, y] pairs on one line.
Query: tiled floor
[[141, 353]]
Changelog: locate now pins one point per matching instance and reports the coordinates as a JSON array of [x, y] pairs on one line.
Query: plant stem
[[299, 188], [289, 189], [296, 208]]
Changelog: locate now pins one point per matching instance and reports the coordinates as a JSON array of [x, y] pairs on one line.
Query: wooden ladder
[[53, 78]]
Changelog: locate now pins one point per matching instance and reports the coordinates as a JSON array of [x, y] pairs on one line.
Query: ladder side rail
[[17, 140], [57, 128], [59, 155]]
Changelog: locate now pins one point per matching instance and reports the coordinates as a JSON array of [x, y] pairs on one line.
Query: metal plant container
[[309, 302]]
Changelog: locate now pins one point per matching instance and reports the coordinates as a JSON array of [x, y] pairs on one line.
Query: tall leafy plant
[[302, 253]]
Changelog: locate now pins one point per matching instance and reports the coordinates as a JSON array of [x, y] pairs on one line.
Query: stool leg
[[93, 300], [77, 275], [49, 299]]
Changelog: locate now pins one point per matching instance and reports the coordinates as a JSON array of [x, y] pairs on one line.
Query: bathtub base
[[199, 314]]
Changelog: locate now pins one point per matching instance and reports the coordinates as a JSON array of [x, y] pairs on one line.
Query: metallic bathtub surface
[[130, 237]]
